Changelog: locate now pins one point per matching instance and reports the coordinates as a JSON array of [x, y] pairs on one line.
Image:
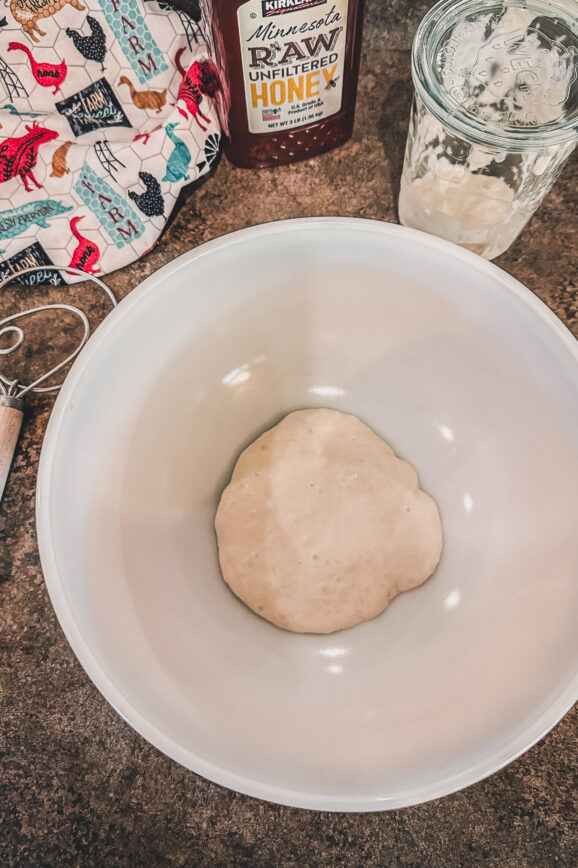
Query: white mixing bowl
[[463, 371]]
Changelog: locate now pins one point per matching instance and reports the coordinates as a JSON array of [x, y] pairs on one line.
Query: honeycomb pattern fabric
[[107, 108]]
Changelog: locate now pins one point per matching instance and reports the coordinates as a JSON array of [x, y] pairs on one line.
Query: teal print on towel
[[117, 217], [180, 158], [135, 39], [14, 111], [14, 221]]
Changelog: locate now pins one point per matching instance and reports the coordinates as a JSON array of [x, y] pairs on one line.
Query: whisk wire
[[13, 387]]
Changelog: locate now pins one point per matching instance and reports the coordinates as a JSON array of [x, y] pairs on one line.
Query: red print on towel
[[18, 155], [86, 254], [46, 74], [201, 79]]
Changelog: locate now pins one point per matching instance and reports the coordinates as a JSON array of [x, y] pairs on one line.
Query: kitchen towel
[[107, 108]]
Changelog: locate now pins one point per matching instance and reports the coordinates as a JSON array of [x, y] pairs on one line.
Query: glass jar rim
[[429, 31]]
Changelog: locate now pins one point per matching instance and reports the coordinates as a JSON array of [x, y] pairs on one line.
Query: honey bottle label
[[293, 55]]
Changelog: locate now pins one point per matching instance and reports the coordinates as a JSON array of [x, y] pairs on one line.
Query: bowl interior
[[462, 371]]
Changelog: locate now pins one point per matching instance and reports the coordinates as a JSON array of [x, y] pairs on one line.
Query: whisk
[[13, 392]]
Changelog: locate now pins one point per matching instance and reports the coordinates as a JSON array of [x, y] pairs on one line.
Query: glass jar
[[494, 119]]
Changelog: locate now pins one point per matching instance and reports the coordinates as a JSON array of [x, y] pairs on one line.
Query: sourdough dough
[[322, 525]]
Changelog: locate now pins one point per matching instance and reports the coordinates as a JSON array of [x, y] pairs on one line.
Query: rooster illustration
[[46, 74], [201, 79], [86, 253], [18, 155], [91, 47]]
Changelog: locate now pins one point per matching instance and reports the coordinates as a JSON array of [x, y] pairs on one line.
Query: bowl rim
[[88, 659]]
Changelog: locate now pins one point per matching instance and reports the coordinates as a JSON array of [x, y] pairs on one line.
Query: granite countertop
[[77, 785]]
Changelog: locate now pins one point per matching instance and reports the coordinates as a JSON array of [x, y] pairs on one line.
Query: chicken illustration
[[86, 253], [151, 201], [18, 155], [59, 167], [46, 74], [91, 47], [201, 79], [145, 99]]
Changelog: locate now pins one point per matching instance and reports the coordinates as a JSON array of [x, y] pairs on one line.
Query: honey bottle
[[288, 71]]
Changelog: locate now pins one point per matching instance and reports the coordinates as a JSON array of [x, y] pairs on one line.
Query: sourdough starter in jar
[[494, 117]]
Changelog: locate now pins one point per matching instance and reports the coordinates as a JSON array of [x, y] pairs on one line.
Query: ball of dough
[[322, 525]]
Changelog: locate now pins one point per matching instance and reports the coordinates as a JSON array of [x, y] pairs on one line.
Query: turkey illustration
[[91, 47], [151, 201]]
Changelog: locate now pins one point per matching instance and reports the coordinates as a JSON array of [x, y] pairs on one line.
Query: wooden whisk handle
[[11, 415]]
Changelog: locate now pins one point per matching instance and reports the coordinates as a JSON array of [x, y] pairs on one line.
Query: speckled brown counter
[[77, 785]]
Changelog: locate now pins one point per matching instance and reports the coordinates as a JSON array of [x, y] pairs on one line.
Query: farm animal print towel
[[107, 108]]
